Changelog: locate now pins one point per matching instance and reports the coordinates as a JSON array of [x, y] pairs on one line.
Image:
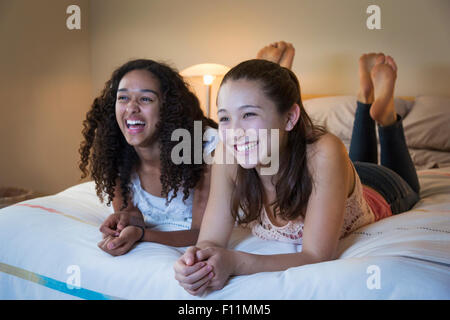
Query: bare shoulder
[[225, 172], [328, 158], [327, 148], [221, 170], [218, 170]]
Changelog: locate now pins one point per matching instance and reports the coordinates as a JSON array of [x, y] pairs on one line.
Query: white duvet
[[48, 250]]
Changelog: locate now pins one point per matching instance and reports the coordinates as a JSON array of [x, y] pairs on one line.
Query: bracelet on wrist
[[143, 232]]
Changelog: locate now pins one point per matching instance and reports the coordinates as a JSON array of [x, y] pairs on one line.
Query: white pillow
[[428, 124], [337, 113], [428, 159]]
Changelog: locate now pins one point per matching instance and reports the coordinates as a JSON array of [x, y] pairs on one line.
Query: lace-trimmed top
[[177, 215], [357, 214]]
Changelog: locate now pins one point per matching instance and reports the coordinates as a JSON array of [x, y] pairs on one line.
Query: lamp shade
[[211, 74], [202, 69]]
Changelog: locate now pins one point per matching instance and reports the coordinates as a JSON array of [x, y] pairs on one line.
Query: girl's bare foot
[[272, 52], [366, 63], [288, 56], [383, 77], [280, 52]]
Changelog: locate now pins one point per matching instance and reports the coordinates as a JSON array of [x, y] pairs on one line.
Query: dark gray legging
[[396, 178]]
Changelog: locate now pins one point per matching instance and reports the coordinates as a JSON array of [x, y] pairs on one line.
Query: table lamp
[[209, 72]]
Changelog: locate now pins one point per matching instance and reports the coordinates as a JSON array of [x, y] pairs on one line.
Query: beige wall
[[45, 90], [50, 74], [329, 36]]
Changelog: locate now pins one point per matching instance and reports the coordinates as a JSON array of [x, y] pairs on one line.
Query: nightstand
[[12, 195]]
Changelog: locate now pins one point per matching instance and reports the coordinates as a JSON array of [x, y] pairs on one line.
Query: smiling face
[[137, 107], [246, 109]]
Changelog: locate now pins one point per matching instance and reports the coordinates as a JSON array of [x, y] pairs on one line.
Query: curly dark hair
[[112, 159]]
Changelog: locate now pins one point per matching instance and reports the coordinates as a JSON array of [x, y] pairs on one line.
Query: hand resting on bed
[[120, 232]]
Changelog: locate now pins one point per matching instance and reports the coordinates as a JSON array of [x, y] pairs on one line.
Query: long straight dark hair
[[293, 183]]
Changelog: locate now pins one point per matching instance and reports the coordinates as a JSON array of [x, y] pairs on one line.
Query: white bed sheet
[[42, 238]]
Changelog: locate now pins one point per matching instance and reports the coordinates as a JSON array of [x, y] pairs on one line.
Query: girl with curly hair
[[127, 151]]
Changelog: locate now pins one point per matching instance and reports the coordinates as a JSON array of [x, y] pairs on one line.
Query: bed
[[49, 244]]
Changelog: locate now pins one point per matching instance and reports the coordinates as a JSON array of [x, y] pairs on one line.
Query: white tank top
[[177, 215]]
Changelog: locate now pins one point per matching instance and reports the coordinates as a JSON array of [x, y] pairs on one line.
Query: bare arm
[[122, 224], [117, 203], [218, 223], [122, 217], [331, 171], [216, 228]]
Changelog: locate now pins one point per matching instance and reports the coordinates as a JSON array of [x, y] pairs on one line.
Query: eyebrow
[[240, 108], [141, 90]]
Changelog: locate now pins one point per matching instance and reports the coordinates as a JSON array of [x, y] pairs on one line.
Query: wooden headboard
[[311, 96]]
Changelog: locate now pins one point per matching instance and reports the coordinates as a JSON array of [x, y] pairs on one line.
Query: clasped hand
[[120, 233], [198, 270]]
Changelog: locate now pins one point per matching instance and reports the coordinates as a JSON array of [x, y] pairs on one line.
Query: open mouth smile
[[246, 146], [135, 126]]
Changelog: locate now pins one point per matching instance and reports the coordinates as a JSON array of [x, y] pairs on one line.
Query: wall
[[45, 91], [329, 36]]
